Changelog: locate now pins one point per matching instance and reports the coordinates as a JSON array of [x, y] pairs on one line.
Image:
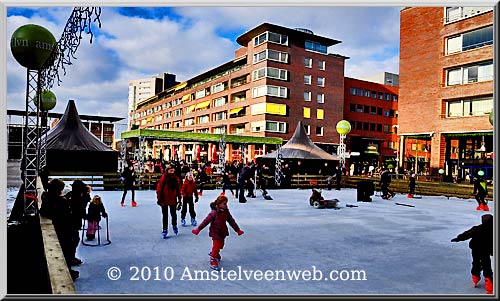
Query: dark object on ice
[[365, 189], [407, 205], [72, 147], [318, 201], [350, 206]]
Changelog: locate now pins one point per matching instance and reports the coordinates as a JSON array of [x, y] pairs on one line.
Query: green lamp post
[[343, 128]]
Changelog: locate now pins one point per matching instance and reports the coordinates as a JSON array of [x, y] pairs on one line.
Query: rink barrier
[[426, 185]]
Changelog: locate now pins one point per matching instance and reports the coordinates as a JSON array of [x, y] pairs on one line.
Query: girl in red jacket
[[218, 230], [168, 194], [187, 191]]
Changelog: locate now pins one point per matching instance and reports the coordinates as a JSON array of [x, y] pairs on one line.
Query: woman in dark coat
[[128, 178], [168, 195]]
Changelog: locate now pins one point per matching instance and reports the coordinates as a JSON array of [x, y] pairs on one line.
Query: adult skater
[[481, 191], [128, 178], [385, 181], [168, 194]]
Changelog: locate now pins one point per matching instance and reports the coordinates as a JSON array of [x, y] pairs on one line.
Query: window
[[270, 37], [470, 74], [308, 129], [268, 108], [380, 95], [316, 47], [386, 129], [218, 87], [359, 109], [359, 125], [372, 127], [352, 107], [470, 40], [373, 110], [272, 55], [307, 96], [159, 117], [189, 122], [178, 112], [374, 94], [218, 102], [457, 13], [366, 109], [387, 96], [353, 91], [219, 116], [321, 65], [200, 94], [269, 91], [366, 126], [203, 119], [275, 73], [367, 93], [308, 62], [321, 97], [320, 114], [379, 111], [275, 126], [321, 81], [307, 79], [359, 91], [379, 127], [307, 113], [469, 107], [319, 131]]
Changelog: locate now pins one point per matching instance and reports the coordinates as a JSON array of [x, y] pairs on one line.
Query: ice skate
[[183, 222], [122, 203], [214, 265], [488, 285], [217, 258], [164, 234], [193, 222], [176, 230], [475, 280], [134, 204]]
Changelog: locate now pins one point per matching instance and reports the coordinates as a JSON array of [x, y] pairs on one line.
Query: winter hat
[[486, 218], [221, 199]]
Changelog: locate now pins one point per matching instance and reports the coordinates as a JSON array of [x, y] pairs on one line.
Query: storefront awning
[[471, 134], [202, 104], [235, 111], [186, 97]]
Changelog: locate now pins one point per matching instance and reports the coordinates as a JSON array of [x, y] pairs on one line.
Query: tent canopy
[[72, 147], [301, 147]]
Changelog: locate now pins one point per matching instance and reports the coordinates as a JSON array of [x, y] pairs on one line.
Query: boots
[[164, 234], [176, 230], [193, 222], [410, 196], [183, 222], [475, 280], [479, 207], [122, 203], [485, 207], [488, 285], [134, 204]]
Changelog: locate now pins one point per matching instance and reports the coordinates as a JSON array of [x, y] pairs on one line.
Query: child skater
[[226, 183], [481, 244], [411, 186], [217, 219], [188, 190], [96, 208], [481, 191]]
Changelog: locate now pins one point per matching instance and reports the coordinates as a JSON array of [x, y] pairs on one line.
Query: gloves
[[240, 232], [195, 231], [104, 215], [179, 205], [196, 199], [454, 240]]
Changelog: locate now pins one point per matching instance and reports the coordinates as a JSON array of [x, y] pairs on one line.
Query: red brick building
[[278, 77], [371, 108], [446, 89]]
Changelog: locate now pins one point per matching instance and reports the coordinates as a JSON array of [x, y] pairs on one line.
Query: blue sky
[[139, 42]]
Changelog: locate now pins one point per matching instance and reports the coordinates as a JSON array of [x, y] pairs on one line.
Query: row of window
[[470, 40], [469, 107], [453, 14], [373, 94], [320, 113], [308, 63], [359, 108], [320, 97], [470, 74], [372, 127], [282, 39], [308, 79]]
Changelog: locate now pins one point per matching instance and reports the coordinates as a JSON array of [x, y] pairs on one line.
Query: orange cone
[[475, 280], [488, 285]]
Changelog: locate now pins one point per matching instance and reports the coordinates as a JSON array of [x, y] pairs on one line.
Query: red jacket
[[217, 219], [168, 190], [189, 189]]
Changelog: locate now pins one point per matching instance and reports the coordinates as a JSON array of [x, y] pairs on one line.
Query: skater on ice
[[128, 179], [481, 191], [385, 181], [188, 191], [217, 218], [96, 209], [481, 244], [168, 195], [411, 185]]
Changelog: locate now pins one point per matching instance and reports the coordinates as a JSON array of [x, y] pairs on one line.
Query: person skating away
[[96, 209], [78, 198], [188, 190], [385, 181], [128, 178], [481, 245], [217, 218], [481, 191], [338, 178], [226, 183], [202, 179], [168, 195], [411, 185]]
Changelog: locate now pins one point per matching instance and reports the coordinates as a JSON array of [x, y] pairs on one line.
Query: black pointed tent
[[71, 147], [301, 147]]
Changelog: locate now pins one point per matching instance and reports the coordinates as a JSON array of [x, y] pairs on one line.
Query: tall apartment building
[[372, 110], [384, 78], [278, 77], [446, 89], [142, 89]]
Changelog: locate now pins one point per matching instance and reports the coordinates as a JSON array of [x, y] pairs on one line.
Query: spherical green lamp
[[441, 171], [343, 127], [32, 45], [48, 100]]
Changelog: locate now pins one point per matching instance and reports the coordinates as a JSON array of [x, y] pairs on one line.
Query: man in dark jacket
[[128, 178], [385, 181], [481, 244]]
